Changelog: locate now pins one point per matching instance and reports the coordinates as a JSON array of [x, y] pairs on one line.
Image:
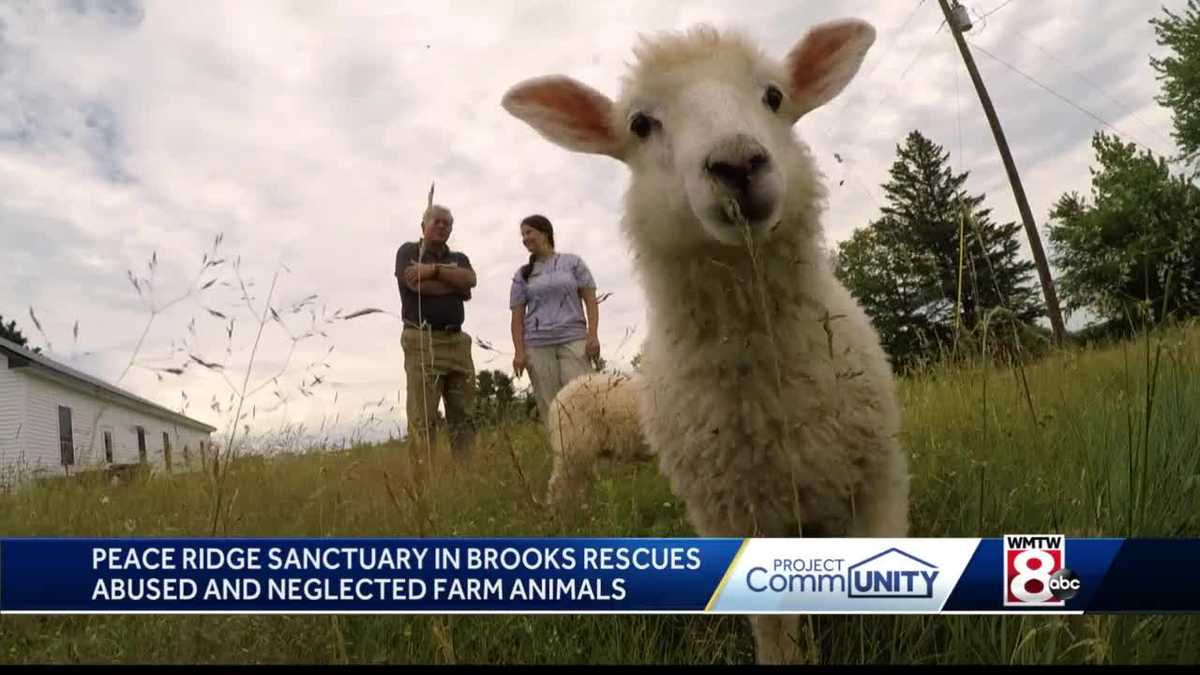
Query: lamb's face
[[705, 126], [710, 147]]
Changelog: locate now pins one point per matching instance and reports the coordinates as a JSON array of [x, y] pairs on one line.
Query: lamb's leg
[[880, 510], [776, 636], [777, 639], [574, 425], [881, 506], [573, 472]]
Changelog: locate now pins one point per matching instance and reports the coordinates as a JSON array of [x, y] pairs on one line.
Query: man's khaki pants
[[439, 368]]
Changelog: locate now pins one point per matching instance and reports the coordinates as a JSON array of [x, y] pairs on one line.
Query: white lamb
[[765, 393], [593, 416]]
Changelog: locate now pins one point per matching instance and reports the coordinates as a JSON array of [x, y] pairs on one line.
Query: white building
[[55, 420]]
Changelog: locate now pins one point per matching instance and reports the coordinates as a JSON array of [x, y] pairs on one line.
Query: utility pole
[[1035, 241]]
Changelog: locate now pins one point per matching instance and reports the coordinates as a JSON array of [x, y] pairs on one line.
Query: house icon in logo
[[892, 574]]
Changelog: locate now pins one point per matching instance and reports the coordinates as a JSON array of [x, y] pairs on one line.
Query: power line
[[1052, 306], [1124, 108], [899, 33], [1063, 98], [958, 119], [920, 53], [961, 247], [881, 60], [883, 57], [1006, 3], [882, 104], [981, 19]]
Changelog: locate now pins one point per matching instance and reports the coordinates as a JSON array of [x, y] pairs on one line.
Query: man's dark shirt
[[439, 311]]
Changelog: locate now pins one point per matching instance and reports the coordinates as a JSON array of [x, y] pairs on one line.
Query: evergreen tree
[[906, 268], [10, 332]]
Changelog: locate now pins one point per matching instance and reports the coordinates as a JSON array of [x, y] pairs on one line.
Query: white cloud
[[307, 133]]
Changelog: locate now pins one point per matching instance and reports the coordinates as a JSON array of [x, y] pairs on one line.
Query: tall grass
[[1095, 441]]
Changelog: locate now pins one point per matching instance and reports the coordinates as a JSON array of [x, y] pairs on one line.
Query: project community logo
[[890, 574], [1036, 572]]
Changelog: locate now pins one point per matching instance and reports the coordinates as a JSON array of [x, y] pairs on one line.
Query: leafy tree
[[1136, 244], [1179, 73], [892, 281], [496, 398]]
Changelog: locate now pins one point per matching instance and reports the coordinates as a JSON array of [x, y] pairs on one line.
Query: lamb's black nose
[[736, 161]]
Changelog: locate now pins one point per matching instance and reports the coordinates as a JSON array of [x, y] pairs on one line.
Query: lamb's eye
[[641, 124], [773, 98]]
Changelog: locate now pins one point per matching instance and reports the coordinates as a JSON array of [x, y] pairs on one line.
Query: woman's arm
[[593, 321], [518, 338]]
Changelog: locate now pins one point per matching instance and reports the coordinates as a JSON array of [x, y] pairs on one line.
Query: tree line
[[937, 274]]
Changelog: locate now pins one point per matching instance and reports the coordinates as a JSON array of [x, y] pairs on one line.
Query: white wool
[[764, 391], [593, 416]]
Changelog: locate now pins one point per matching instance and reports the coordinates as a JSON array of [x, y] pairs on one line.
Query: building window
[[167, 450], [66, 439], [108, 446], [187, 457], [141, 435]]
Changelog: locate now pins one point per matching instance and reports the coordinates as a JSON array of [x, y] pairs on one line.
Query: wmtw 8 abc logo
[[1035, 571]]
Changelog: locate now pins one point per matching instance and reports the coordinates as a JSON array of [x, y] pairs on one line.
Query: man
[[434, 282]]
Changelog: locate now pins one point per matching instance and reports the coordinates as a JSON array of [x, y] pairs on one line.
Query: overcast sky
[[307, 134]]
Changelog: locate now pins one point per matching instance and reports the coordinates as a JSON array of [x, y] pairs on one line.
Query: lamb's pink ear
[[825, 61], [566, 112]]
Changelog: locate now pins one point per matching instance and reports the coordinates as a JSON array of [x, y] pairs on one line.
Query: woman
[[550, 336]]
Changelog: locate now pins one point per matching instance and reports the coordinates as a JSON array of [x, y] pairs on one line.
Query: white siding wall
[[12, 416], [41, 434], [186, 437]]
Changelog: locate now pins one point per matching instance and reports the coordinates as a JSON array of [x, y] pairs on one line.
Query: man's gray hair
[[434, 211]]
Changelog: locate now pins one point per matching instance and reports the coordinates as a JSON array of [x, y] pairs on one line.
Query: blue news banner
[[1013, 573]]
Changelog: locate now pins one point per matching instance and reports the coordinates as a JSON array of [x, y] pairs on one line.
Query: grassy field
[[1085, 442]]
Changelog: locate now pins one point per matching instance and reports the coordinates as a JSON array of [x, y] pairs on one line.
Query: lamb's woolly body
[[765, 392], [593, 416], [765, 417]]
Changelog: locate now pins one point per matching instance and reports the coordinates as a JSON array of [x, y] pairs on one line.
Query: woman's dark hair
[[541, 224]]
